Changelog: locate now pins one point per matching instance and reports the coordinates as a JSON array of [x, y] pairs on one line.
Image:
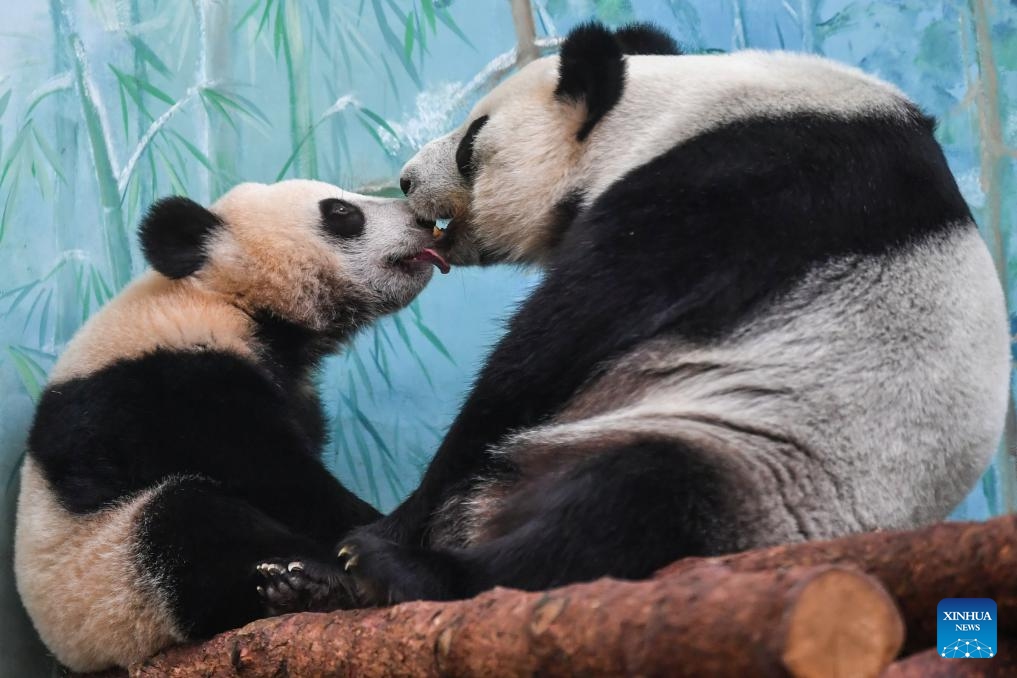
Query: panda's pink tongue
[[433, 257]]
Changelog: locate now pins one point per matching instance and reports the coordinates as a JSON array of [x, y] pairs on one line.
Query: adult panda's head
[[544, 145], [510, 177], [301, 251]]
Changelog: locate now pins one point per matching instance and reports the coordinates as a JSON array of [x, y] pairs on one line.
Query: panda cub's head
[[301, 251]]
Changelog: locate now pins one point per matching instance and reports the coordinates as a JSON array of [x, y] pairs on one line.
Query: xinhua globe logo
[[966, 628]]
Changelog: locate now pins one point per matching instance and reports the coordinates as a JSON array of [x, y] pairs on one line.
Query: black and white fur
[[176, 446], [767, 316]]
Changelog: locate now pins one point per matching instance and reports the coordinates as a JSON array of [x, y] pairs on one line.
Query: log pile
[[847, 607]]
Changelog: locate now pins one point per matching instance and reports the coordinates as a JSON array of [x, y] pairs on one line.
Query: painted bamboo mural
[[106, 105]]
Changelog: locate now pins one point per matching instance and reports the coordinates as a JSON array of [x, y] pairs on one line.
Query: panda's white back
[[844, 405], [677, 98]]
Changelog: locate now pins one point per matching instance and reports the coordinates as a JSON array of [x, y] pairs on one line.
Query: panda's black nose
[[406, 185]]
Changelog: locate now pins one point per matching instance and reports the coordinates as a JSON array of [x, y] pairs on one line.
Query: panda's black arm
[[531, 373], [607, 305]]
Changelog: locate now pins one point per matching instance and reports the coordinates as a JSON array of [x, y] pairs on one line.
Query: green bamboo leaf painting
[[213, 105], [367, 459], [177, 182], [421, 37], [446, 18], [54, 85], [14, 152], [30, 372], [369, 428], [50, 154], [293, 155], [21, 293], [194, 151], [401, 331], [428, 7], [136, 86], [369, 128], [246, 16], [125, 118], [279, 32], [361, 370], [409, 34], [380, 121], [8, 209], [380, 359], [148, 55], [433, 339], [394, 42], [264, 18], [401, 15], [245, 106]]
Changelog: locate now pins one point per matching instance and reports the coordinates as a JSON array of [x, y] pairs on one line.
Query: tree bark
[[928, 664], [705, 622], [919, 568]]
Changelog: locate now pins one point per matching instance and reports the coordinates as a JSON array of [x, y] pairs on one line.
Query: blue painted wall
[[107, 104]]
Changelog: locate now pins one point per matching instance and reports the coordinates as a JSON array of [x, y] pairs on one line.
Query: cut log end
[[842, 623]]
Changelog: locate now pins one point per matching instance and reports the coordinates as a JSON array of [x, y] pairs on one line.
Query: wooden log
[[806, 622], [928, 664], [918, 568]]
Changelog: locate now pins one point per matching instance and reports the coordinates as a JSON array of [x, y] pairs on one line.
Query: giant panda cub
[[176, 446], [766, 316]]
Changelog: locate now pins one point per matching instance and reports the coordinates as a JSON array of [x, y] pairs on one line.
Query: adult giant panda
[[177, 443], [767, 316]]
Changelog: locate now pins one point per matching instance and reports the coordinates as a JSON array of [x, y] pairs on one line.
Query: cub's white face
[[316, 254]]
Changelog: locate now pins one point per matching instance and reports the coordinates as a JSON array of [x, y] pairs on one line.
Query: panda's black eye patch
[[464, 154], [341, 219]]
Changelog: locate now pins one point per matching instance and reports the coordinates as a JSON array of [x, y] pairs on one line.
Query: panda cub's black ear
[[173, 235], [592, 68]]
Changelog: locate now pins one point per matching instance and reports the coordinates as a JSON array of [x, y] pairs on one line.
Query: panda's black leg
[[203, 547], [386, 573], [623, 513]]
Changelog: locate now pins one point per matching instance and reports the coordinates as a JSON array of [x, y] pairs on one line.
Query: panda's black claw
[[292, 585], [349, 556], [270, 568], [387, 573]]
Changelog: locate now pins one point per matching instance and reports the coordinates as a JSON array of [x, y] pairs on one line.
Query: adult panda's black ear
[[591, 70], [645, 38], [173, 235]]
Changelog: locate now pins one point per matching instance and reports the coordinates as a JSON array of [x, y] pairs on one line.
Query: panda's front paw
[[386, 573], [303, 585]]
